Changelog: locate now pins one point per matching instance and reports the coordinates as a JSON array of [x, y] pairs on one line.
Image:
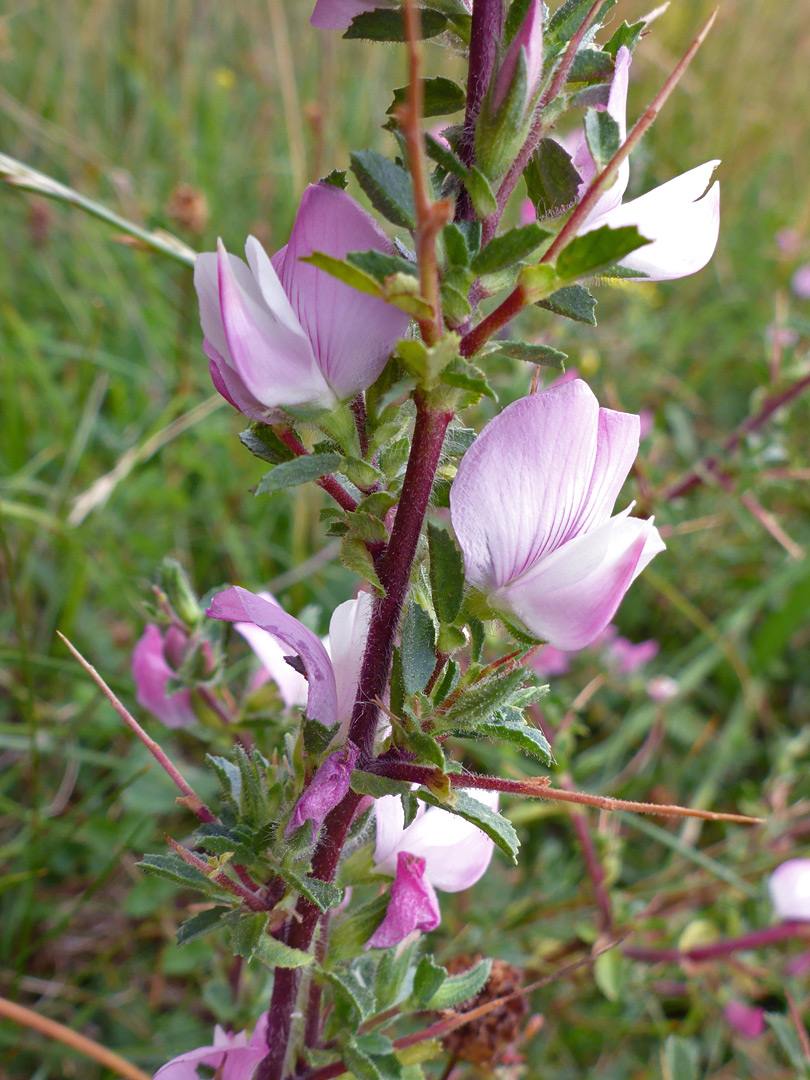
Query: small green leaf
[[173, 868], [495, 825], [441, 97], [317, 736], [392, 972], [455, 304], [298, 471], [589, 253], [591, 66], [200, 924], [275, 953], [510, 726], [551, 179], [446, 575], [426, 748], [323, 894], [567, 19], [681, 1055], [427, 979], [337, 178], [365, 783], [481, 193], [532, 354], [344, 271], [445, 157], [472, 232], [418, 649], [247, 933], [482, 700], [358, 995], [574, 302], [349, 937], [448, 683], [465, 376], [458, 441], [610, 973], [602, 135], [461, 987], [230, 780], [356, 557], [262, 442], [625, 35], [383, 24], [455, 245], [509, 248], [380, 265], [387, 185]]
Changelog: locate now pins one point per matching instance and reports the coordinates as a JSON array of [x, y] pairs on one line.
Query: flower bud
[[176, 584]]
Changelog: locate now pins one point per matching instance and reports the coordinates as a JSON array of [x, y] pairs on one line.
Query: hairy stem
[[485, 35], [757, 939]]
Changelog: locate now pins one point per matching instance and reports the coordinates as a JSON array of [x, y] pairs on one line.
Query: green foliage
[[418, 648], [300, 470], [384, 24], [441, 97], [532, 354], [574, 302], [387, 185], [495, 825], [508, 248], [602, 135], [446, 574], [551, 180], [602, 247]]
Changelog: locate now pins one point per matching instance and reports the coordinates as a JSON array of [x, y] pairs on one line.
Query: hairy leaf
[[387, 185], [298, 471], [574, 302]]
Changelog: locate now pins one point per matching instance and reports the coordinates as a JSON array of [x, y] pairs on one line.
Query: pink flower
[[235, 1057], [151, 673], [529, 40], [747, 1020], [531, 506], [789, 887], [800, 282], [682, 227], [338, 14], [629, 656], [438, 850], [281, 332], [550, 662], [327, 788], [292, 686]]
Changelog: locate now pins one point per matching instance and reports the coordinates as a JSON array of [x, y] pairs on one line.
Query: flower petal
[[275, 363], [789, 887], [230, 386], [581, 156], [338, 14], [239, 605], [522, 486], [352, 334], [348, 633], [291, 684], [327, 788], [568, 598], [413, 904], [682, 226], [151, 673], [617, 440]]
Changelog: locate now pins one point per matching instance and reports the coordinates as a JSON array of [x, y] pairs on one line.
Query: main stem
[[395, 571], [485, 36]]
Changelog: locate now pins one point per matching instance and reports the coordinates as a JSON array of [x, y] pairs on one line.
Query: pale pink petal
[[682, 226], [581, 156], [413, 904], [352, 333], [291, 684], [239, 605], [455, 851], [617, 440], [348, 633], [550, 661], [789, 887], [151, 674], [523, 484], [230, 386], [276, 363], [338, 14], [571, 595], [800, 282], [232, 1055], [629, 656], [747, 1020], [327, 788]]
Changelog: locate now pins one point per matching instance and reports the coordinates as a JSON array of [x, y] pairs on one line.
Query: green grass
[[101, 351]]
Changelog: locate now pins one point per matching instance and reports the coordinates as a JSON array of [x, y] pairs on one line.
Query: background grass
[[101, 353]]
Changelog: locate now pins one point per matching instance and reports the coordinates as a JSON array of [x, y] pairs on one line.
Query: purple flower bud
[[151, 674], [747, 1020], [327, 788], [529, 38], [789, 887], [413, 904], [281, 332], [234, 1057], [531, 506]]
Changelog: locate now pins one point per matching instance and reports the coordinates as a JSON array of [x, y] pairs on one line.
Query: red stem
[[327, 483], [757, 939], [485, 36]]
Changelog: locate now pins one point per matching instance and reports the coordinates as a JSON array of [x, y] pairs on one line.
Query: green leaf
[[366, 783], [514, 20], [252, 767], [574, 302], [610, 973], [262, 442], [455, 245], [356, 557], [591, 66], [337, 178], [625, 35], [317, 736], [298, 471], [465, 376], [481, 193], [380, 265], [427, 979], [392, 971], [788, 1039], [445, 157], [350, 275], [275, 953], [472, 231], [383, 24], [567, 19], [495, 825], [247, 933], [441, 97], [532, 354], [602, 135], [387, 185], [202, 923], [323, 894], [551, 179], [353, 990], [349, 937], [458, 441], [230, 780], [461, 987], [587, 254], [509, 248], [446, 574], [418, 649], [510, 726], [426, 748], [448, 683], [173, 868], [481, 700], [680, 1054]]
